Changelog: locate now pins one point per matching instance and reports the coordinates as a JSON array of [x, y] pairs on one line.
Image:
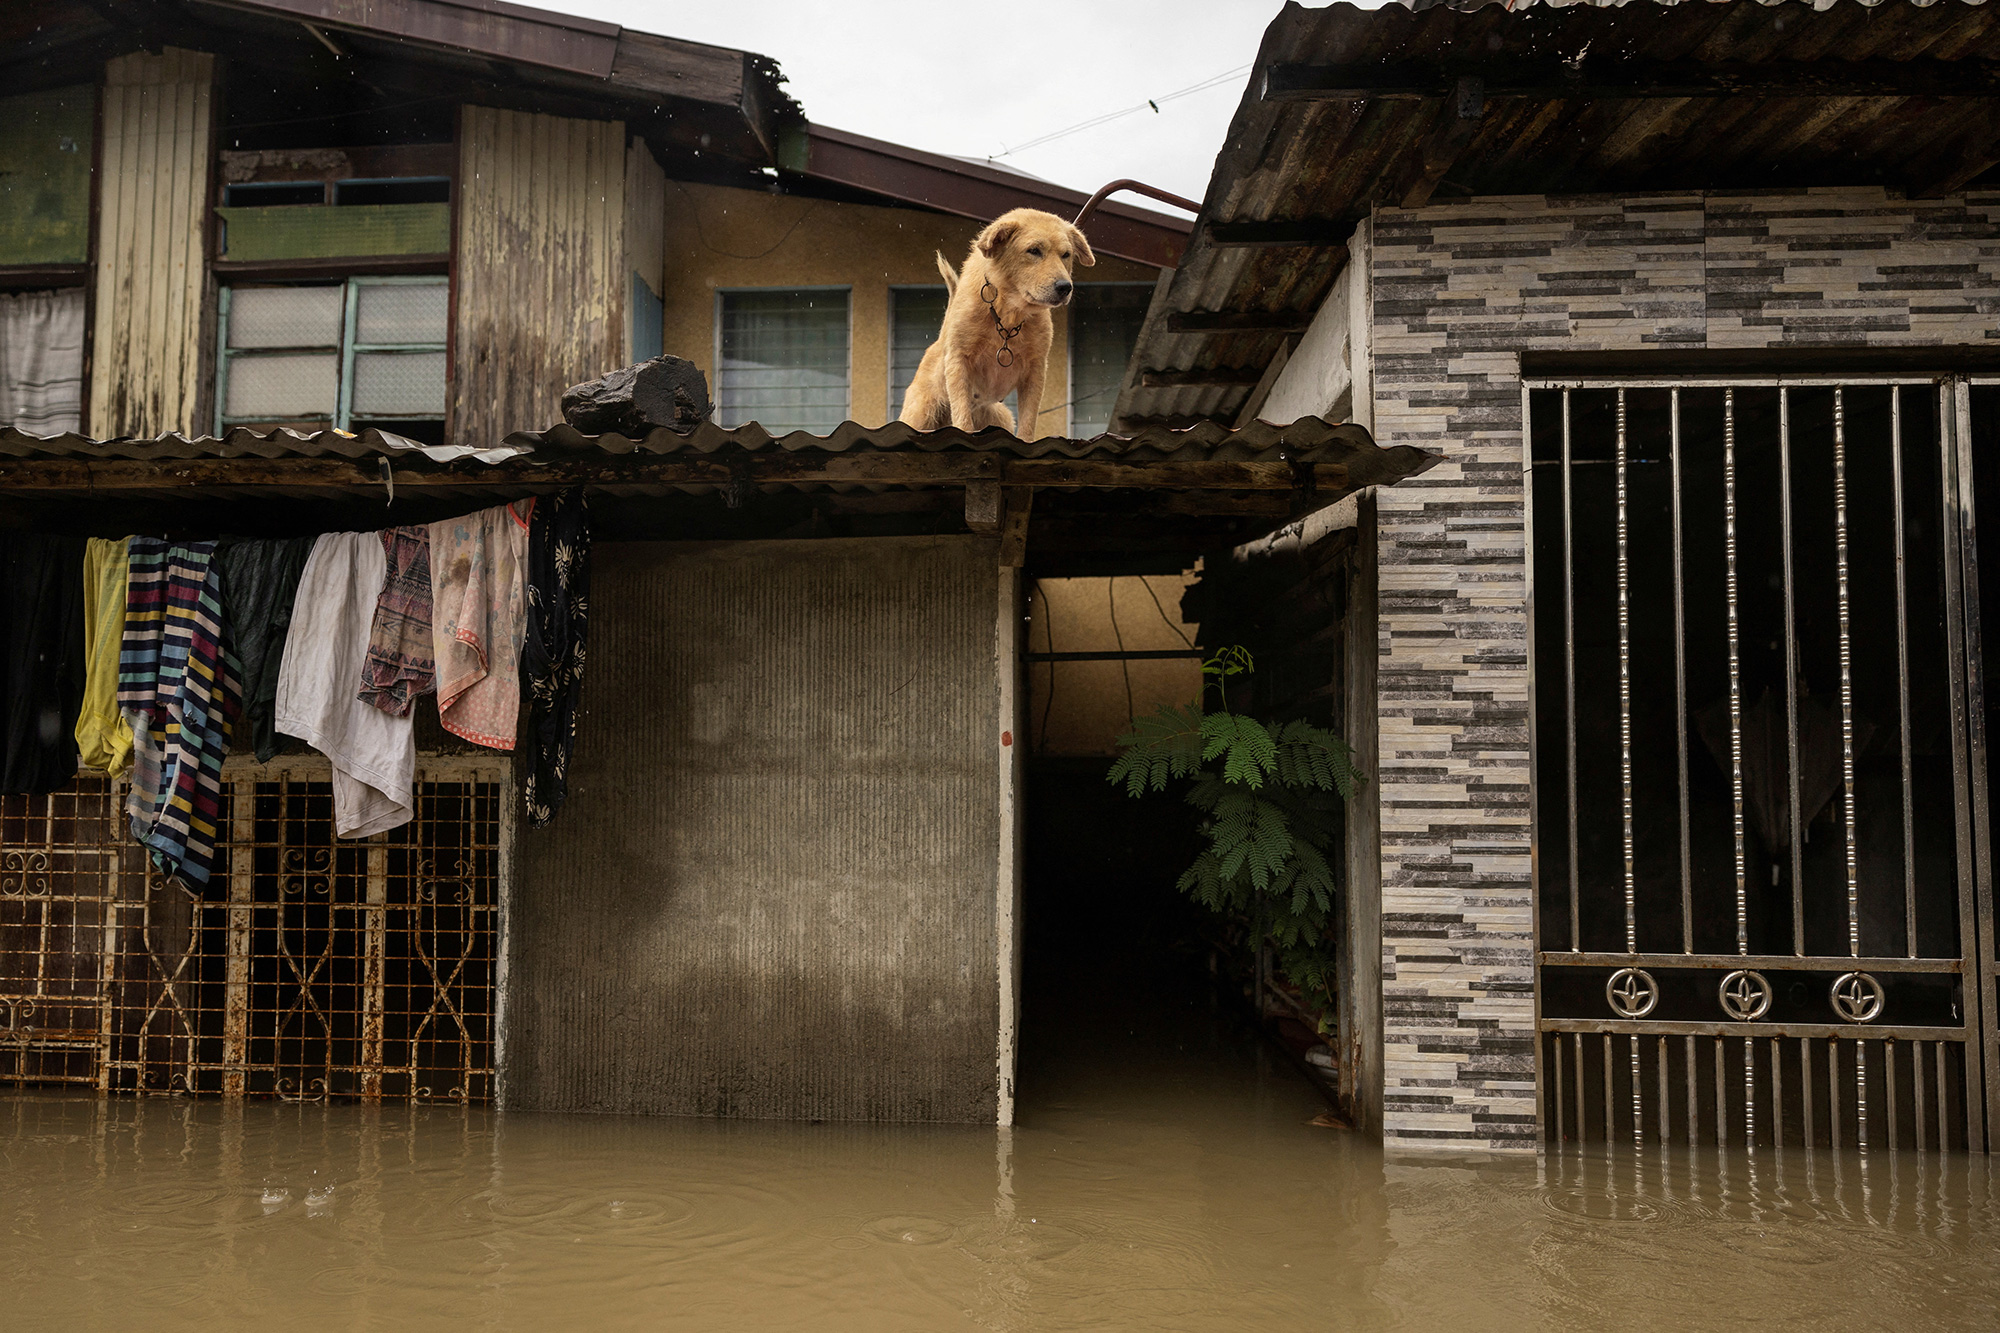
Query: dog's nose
[[1063, 289]]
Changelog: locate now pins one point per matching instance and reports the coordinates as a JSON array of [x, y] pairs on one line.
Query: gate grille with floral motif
[[310, 968], [1763, 877]]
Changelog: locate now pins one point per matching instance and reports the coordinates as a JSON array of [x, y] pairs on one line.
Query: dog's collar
[[1005, 355]]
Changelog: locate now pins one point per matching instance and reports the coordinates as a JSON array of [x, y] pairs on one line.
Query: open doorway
[[1131, 991]]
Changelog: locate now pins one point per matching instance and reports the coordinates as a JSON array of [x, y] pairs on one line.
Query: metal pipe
[[1569, 691], [1625, 694], [1130, 187], [1680, 692], [1791, 676], [1917, 1088], [1735, 667], [1903, 672], [1846, 668]]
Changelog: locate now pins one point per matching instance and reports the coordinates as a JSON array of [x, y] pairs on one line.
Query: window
[[1104, 325], [915, 316], [782, 358], [364, 352], [41, 360]]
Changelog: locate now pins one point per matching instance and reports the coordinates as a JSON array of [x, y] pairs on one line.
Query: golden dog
[[997, 325]]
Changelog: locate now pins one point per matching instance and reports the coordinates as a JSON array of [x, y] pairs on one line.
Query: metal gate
[[1762, 860], [309, 968]]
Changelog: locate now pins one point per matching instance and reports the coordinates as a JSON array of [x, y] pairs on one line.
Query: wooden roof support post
[[1017, 501], [982, 505]]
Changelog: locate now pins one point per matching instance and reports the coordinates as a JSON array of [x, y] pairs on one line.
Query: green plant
[[1270, 801]]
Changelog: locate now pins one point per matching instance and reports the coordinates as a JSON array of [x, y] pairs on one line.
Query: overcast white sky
[[978, 79]]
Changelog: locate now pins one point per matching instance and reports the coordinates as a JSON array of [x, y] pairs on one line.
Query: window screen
[[348, 354], [1104, 325], [915, 316], [783, 359]]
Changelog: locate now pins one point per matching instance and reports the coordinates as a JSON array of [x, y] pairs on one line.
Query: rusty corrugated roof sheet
[[1202, 441], [1328, 162]]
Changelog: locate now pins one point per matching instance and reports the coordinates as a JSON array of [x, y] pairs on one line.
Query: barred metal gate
[[310, 967], [1762, 856]]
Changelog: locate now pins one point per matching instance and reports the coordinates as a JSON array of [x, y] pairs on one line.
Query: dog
[[997, 325]]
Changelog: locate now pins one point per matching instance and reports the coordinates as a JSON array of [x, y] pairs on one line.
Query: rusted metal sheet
[[541, 289], [506, 31], [148, 343], [981, 192]]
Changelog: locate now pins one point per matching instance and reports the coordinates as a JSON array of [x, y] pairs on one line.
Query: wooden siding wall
[[645, 225], [542, 277], [150, 351]]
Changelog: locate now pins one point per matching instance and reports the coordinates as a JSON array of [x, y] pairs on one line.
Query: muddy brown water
[[1181, 1191], [1163, 1175]]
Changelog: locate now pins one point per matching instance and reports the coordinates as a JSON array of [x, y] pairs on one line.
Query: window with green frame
[[358, 353]]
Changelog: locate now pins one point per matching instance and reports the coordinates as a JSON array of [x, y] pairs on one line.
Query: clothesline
[[144, 657]]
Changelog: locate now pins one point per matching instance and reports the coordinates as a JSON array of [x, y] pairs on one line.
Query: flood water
[[1163, 1176]]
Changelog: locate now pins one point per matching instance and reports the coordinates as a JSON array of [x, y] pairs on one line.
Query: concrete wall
[[782, 886], [1460, 292], [721, 237]]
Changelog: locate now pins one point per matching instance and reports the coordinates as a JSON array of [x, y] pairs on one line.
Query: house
[[292, 266], [1670, 673]]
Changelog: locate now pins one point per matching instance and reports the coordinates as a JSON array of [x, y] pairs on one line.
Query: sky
[[990, 79]]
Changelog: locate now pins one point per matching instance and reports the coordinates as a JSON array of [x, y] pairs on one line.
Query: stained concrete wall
[[782, 886]]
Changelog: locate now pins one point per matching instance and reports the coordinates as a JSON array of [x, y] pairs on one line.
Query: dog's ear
[[1083, 254], [995, 238]]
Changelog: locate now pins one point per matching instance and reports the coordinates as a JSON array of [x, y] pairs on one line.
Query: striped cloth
[[178, 687]]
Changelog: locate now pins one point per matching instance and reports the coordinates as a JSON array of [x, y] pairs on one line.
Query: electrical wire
[[1124, 663], [1147, 584], [708, 245], [1048, 646], [1151, 103]]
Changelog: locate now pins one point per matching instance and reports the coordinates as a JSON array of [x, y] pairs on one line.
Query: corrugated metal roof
[[1332, 161], [1307, 441]]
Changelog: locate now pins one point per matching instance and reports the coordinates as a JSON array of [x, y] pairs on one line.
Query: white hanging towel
[[374, 754]]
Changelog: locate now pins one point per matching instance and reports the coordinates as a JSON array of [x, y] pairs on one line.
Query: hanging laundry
[[178, 689], [42, 665], [260, 580], [478, 616], [552, 655], [374, 754], [103, 736], [401, 652]]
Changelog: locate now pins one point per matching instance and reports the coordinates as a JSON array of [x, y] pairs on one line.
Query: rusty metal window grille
[[311, 967], [1763, 884]]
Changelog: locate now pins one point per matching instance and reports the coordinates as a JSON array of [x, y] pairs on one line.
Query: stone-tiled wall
[[1460, 291]]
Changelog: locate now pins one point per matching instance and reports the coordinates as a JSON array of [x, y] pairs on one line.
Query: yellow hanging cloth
[[103, 738]]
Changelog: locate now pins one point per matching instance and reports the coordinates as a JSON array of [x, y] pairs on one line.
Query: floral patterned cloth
[[478, 618], [552, 659]]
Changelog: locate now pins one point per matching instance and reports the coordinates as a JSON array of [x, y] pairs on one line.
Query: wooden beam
[[982, 506], [1303, 232], [1018, 502], [1239, 321], [1948, 167], [1605, 78], [1200, 377], [99, 476]]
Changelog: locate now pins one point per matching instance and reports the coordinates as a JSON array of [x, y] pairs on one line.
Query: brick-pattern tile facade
[[1461, 291]]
